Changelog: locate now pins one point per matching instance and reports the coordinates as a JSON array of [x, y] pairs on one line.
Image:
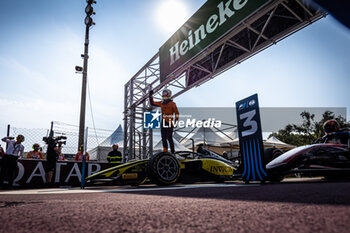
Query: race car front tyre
[[163, 168]]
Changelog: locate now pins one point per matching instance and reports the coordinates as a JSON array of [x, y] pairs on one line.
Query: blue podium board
[[250, 139]]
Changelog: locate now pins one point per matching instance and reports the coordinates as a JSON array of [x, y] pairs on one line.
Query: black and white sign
[[31, 172]]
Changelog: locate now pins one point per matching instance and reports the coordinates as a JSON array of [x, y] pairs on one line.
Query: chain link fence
[[70, 148]]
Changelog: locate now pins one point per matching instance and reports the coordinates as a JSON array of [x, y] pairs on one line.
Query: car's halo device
[[250, 139]]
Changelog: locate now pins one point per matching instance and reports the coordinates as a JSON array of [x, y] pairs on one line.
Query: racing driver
[[168, 108]]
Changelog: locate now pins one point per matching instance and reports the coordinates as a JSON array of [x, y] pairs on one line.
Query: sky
[[42, 40]]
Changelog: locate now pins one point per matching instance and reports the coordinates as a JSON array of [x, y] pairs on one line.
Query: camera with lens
[[52, 141], [61, 143]]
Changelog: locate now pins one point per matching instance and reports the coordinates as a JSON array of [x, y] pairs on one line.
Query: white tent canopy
[[100, 152], [116, 137], [231, 136], [178, 147], [177, 136], [272, 141]]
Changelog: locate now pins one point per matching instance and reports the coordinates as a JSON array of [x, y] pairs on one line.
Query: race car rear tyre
[[271, 153], [163, 168]]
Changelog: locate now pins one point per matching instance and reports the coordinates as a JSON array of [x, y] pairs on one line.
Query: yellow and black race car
[[165, 168]]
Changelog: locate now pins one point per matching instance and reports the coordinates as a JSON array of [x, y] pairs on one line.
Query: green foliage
[[309, 130]]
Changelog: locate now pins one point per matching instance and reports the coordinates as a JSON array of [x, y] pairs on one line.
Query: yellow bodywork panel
[[122, 168], [182, 163], [217, 167]]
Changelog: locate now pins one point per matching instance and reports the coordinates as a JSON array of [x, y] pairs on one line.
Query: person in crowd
[[115, 156], [168, 108], [333, 133], [60, 154], [35, 153], [13, 152], [79, 155], [51, 160], [2, 154]]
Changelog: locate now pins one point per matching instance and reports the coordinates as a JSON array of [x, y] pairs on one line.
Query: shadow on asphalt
[[316, 192]]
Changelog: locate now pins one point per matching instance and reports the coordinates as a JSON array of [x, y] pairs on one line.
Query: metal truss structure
[[277, 20]]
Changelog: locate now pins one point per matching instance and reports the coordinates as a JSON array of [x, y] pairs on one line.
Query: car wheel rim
[[167, 168]]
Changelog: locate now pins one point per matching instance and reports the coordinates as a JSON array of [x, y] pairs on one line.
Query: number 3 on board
[[249, 122]]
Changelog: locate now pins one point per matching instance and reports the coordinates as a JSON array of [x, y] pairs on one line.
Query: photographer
[[52, 156], [51, 159], [9, 164]]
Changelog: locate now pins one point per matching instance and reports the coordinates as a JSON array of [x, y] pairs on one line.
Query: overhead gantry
[[267, 25]]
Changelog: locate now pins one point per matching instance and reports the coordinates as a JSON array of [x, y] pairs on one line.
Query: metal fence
[[35, 135]]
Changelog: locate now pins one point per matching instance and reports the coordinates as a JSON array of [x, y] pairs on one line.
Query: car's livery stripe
[[110, 171], [253, 166], [256, 160], [248, 161], [244, 164], [260, 160], [252, 160]]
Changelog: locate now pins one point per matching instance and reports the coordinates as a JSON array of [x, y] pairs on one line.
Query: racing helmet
[[166, 94], [330, 126]]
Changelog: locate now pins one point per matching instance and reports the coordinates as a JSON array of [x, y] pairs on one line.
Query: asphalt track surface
[[294, 206]]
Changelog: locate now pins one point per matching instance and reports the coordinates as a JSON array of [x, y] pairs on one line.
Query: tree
[[309, 130]]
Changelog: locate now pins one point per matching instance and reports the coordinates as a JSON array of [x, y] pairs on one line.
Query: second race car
[[322, 159]]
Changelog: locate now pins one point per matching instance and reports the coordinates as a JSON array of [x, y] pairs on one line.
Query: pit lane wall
[[31, 173]]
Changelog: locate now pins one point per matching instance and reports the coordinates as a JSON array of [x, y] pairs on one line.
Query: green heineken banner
[[213, 20]]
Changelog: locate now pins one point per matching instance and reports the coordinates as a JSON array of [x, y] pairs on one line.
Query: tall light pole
[[89, 10]]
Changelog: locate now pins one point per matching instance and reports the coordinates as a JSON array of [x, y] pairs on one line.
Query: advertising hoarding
[[213, 20]]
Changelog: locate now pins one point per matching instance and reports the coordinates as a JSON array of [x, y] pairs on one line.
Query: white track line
[[138, 189]]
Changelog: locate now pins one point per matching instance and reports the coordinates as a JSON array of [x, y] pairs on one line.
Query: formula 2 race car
[[165, 168], [322, 159]]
